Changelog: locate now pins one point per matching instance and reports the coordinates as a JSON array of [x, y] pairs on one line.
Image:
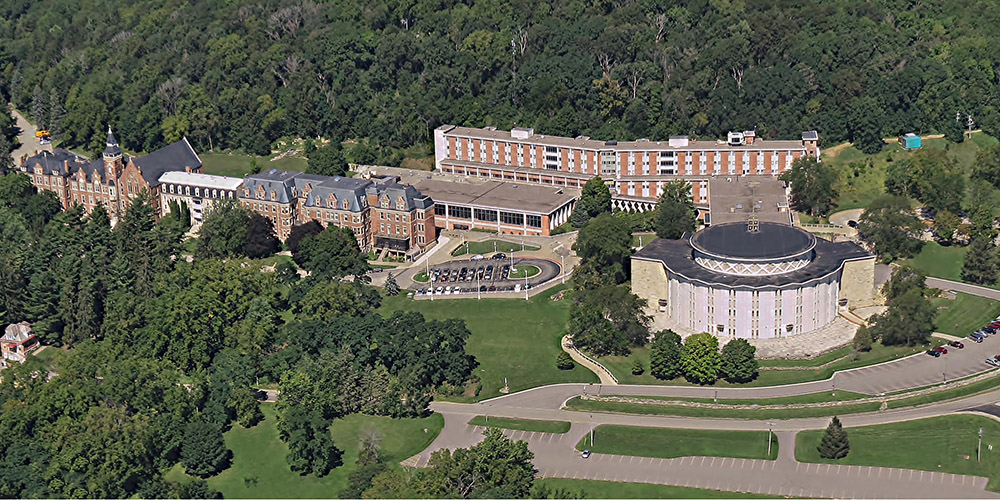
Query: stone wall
[[857, 283], [649, 281]]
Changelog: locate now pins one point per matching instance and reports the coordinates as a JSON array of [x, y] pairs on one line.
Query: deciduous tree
[[813, 185], [665, 356], [739, 361], [675, 214], [700, 358]]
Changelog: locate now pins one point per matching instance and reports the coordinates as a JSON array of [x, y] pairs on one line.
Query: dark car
[[482, 288], [852, 223], [932, 352], [956, 344], [492, 288]]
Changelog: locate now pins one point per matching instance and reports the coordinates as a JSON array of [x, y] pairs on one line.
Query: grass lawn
[[816, 397], [511, 338], [673, 443], [48, 357], [964, 315], [642, 239], [238, 165], [523, 271], [761, 413], [621, 366], [941, 444], [486, 247], [940, 261], [585, 488], [259, 469], [817, 361], [522, 424]]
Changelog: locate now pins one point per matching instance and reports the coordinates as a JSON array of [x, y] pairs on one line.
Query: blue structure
[[910, 141]]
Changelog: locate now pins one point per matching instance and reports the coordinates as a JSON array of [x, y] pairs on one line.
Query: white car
[[447, 290], [439, 291], [477, 257], [993, 361]]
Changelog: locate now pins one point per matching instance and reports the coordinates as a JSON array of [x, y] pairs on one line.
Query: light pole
[[770, 424], [979, 447], [592, 430], [562, 258], [427, 264], [525, 284], [479, 289]]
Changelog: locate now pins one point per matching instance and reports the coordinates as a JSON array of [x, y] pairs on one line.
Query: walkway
[[606, 377], [29, 143]]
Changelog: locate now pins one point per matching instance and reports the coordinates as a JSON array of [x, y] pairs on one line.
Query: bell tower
[[113, 164]]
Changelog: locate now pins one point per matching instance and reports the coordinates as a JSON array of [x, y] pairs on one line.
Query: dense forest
[[242, 74]]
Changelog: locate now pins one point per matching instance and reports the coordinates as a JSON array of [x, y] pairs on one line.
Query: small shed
[[910, 141]]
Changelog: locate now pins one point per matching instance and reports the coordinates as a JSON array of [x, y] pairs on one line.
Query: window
[[485, 215], [440, 209], [460, 212], [512, 218], [534, 220]]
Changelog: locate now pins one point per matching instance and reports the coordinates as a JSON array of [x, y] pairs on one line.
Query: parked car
[[941, 349], [975, 338], [482, 288], [956, 344], [990, 329], [852, 223], [439, 291], [478, 257], [585, 454], [932, 352], [993, 361], [499, 256], [517, 288]]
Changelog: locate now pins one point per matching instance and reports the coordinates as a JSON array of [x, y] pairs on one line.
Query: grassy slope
[[238, 165], [673, 443], [934, 444], [510, 338], [964, 315], [621, 366], [582, 488], [486, 247], [522, 424], [259, 469], [683, 411]]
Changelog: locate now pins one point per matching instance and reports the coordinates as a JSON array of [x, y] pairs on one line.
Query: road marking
[[797, 465], [827, 468], [550, 438], [911, 473], [869, 472], [631, 459], [921, 476], [952, 479], [773, 463], [661, 461], [621, 458], [702, 462], [838, 468], [963, 480], [743, 463]]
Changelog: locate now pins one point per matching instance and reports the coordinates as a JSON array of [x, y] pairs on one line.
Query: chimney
[[66, 166], [187, 169]]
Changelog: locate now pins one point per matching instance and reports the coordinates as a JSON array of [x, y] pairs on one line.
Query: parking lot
[[485, 275]]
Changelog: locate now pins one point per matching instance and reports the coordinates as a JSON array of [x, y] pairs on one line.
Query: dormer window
[[274, 195], [385, 202], [319, 202], [400, 204], [331, 201], [246, 192], [347, 204]]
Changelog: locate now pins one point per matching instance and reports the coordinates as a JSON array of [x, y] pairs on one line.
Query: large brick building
[[114, 180], [382, 213], [634, 170]]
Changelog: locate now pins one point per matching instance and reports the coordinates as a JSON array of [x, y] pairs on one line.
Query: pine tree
[[834, 444], [980, 264], [391, 287], [665, 356], [39, 108], [638, 368], [564, 361], [204, 451]]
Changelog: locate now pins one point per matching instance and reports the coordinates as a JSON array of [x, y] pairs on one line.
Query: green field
[[642, 239], [585, 488], [259, 469], [816, 397], [524, 271], [238, 165], [817, 361], [511, 338], [964, 315], [761, 413], [940, 261], [940, 444], [487, 247], [521, 424], [621, 366], [673, 443]]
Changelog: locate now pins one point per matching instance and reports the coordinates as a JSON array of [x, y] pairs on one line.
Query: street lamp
[[770, 424], [562, 259]]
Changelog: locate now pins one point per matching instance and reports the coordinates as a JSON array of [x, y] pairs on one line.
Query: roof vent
[[522, 132], [611, 142]]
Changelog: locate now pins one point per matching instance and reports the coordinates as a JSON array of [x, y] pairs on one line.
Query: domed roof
[[770, 242]]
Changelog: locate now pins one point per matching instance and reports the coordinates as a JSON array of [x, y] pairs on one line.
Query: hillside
[[242, 74]]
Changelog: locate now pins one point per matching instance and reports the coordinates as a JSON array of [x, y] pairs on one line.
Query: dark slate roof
[[342, 188], [771, 241], [173, 158], [54, 162], [112, 149], [389, 186], [279, 181], [810, 135], [678, 257]]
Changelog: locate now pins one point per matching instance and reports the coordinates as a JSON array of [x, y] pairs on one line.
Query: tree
[[299, 233], [700, 358], [224, 232], [908, 320], [863, 339], [605, 244], [865, 125], [980, 265], [891, 228], [204, 451], [934, 179], [813, 185], [637, 367], [739, 362], [904, 278], [665, 356], [391, 287], [261, 241], [497, 467], [564, 361], [675, 213], [946, 224], [334, 253], [310, 447], [834, 444], [608, 319], [987, 165], [328, 160], [595, 199]]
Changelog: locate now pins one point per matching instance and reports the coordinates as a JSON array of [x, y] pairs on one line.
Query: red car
[[941, 349], [956, 344], [995, 324]]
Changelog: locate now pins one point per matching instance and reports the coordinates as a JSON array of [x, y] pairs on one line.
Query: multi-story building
[[381, 213], [198, 191], [114, 180], [634, 170]]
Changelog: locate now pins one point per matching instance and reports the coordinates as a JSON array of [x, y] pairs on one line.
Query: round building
[[752, 280]]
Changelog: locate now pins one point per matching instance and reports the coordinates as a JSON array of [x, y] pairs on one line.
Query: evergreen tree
[[564, 361], [6, 160], [39, 108], [739, 362], [980, 265], [204, 451], [834, 444], [391, 287], [665, 356], [637, 367], [675, 213]]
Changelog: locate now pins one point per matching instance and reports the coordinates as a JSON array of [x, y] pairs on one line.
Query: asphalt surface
[[29, 143], [944, 284], [548, 270]]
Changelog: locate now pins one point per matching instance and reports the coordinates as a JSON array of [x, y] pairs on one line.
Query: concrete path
[[606, 377], [840, 218], [977, 290], [556, 456]]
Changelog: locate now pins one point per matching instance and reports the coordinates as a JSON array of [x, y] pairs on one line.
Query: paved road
[[555, 456], [548, 270], [944, 284], [29, 143]]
